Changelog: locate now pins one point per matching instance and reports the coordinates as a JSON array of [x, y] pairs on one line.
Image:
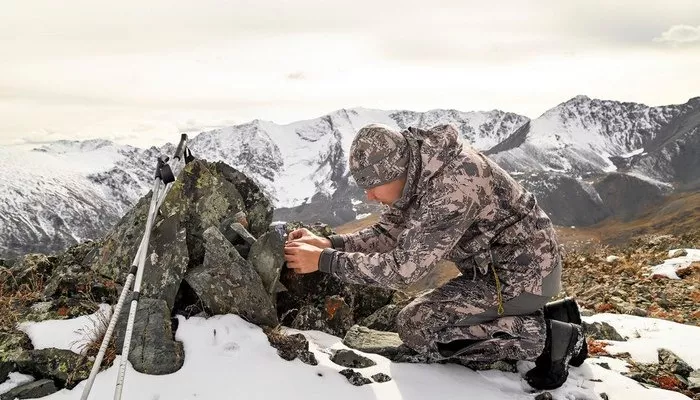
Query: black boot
[[566, 310], [552, 367]]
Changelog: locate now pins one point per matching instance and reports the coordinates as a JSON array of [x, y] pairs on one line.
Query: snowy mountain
[[68, 191], [586, 159]]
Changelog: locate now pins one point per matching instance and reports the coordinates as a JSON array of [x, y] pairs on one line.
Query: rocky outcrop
[[212, 250]]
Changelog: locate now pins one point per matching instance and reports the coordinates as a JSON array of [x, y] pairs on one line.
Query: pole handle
[[180, 147]]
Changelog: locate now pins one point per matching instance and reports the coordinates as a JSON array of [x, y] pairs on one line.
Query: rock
[[5, 369], [31, 390], [612, 259], [14, 345], [355, 378], [76, 254], [258, 207], [304, 291], [236, 232], [64, 367], [267, 257], [227, 283], [60, 308], [167, 256], [350, 359], [381, 378], [604, 365], [308, 357], [544, 396], [604, 396], [601, 331], [674, 363], [387, 344], [31, 270], [383, 319], [166, 262], [204, 195], [500, 365], [677, 253], [334, 317], [153, 350], [694, 381], [74, 280], [638, 311], [366, 300], [289, 347]]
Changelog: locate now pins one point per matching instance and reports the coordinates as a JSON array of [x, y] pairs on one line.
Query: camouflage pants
[[459, 320]]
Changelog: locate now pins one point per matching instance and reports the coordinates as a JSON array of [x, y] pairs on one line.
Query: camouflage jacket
[[457, 205]]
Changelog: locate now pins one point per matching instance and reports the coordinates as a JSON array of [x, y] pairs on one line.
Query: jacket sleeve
[[378, 238], [444, 217]]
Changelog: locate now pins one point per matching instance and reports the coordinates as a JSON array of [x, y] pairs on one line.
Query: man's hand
[[302, 257], [303, 235]]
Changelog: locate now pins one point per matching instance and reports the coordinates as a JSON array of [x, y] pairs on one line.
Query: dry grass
[[13, 301], [91, 338]]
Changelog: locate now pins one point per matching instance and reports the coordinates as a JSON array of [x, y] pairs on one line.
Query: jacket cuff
[[325, 262], [337, 242]]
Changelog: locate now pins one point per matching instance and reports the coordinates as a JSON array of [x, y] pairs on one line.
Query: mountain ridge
[[66, 191]]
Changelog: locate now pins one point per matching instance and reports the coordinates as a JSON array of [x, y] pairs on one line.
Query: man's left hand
[[302, 257]]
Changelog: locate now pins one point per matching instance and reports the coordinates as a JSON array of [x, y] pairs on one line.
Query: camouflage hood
[[430, 151]]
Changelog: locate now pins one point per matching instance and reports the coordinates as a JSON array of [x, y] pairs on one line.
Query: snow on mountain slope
[[583, 134], [67, 191], [53, 196]]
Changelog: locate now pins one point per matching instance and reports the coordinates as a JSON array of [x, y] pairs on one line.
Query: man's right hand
[[304, 235]]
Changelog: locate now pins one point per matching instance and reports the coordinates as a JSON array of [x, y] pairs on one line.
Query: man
[[449, 201]]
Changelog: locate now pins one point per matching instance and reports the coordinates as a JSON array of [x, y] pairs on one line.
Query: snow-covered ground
[[670, 266], [229, 358]]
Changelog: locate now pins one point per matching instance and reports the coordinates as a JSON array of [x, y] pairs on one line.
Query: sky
[[140, 72]]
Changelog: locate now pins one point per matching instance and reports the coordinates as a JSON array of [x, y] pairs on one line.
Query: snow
[[363, 216], [227, 357], [15, 379], [71, 334], [647, 335], [670, 266], [632, 153]]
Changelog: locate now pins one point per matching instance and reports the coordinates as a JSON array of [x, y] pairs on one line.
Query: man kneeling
[[449, 201]]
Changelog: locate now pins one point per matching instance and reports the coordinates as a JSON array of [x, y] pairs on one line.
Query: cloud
[[680, 34]]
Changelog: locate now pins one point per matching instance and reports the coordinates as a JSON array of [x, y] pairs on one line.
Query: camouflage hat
[[378, 155]]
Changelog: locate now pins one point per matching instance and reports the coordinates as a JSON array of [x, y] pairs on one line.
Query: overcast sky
[[139, 71]]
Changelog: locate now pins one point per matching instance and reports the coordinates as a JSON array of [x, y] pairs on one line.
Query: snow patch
[[672, 265], [69, 334], [227, 355]]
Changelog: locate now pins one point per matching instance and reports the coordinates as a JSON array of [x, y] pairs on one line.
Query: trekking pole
[[158, 196]]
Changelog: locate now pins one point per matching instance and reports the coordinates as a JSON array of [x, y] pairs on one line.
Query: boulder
[[64, 367], [267, 257], [31, 390], [333, 317], [227, 283], [387, 344], [14, 345], [601, 331], [153, 349], [350, 359]]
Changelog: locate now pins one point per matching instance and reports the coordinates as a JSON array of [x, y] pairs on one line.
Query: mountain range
[[585, 159]]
